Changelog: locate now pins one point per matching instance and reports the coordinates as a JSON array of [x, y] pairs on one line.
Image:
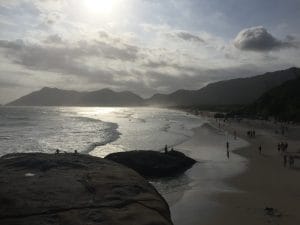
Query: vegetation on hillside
[[282, 103]]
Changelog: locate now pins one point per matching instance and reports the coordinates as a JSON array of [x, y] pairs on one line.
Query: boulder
[[153, 164], [73, 189]]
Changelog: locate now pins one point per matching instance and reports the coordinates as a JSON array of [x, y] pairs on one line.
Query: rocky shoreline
[[44, 189], [153, 164]]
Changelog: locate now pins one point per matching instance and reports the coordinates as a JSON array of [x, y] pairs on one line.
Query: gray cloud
[[185, 36], [54, 39], [189, 37], [62, 57], [259, 39], [72, 61]]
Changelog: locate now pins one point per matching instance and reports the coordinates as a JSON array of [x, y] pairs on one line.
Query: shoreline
[[193, 203], [264, 183]]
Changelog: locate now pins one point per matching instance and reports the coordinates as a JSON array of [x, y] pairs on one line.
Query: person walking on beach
[[281, 147], [286, 146], [259, 149]]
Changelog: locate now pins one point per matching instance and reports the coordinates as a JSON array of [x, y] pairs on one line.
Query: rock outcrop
[[153, 163], [73, 189]]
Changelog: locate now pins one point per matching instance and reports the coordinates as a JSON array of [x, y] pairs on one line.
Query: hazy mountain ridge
[[56, 97], [240, 91]]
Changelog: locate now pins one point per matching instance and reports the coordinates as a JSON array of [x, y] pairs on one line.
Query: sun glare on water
[[100, 6]]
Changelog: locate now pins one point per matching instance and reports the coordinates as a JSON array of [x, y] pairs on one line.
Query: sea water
[[95, 131]]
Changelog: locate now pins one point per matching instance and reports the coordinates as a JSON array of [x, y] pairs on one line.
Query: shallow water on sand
[[208, 146]]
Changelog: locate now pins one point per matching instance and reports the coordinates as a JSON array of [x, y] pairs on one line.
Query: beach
[[265, 182], [192, 202], [238, 189]]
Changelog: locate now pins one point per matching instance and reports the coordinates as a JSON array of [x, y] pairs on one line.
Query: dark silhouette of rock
[[73, 189], [239, 91], [153, 163], [56, 97]]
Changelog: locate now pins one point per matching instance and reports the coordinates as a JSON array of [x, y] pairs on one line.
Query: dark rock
[[153, 163], [73, 189]]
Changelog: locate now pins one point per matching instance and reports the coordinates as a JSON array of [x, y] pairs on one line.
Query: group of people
[[57, 151], [251, 133], [287, 159], [282, 146], [166, 149]]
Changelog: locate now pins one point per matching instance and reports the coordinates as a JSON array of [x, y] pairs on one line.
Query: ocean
[[95, 131]]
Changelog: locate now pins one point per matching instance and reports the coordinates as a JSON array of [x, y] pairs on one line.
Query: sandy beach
[[265, 182], [190, 195], [236, 190]]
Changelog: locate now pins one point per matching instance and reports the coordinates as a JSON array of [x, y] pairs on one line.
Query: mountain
[[56, 97], [239, 91], [282, 102]]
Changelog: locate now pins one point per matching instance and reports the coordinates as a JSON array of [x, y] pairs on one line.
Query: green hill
[[282, 103], [241, 91]]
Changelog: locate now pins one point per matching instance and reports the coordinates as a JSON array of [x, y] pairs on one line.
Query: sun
[[100, 6]]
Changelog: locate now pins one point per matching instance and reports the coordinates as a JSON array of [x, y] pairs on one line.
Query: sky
[[144, 46]]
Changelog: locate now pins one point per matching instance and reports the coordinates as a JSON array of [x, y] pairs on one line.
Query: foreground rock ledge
[[152, 163], [72, 189]]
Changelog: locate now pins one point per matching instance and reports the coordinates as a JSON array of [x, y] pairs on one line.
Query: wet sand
[[191, 202], [265, 182]]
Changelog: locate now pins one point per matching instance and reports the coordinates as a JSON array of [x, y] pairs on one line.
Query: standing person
[[166, 149], [227, 146], [278, 147], [284, 147], [259, 149], [281, 147]]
